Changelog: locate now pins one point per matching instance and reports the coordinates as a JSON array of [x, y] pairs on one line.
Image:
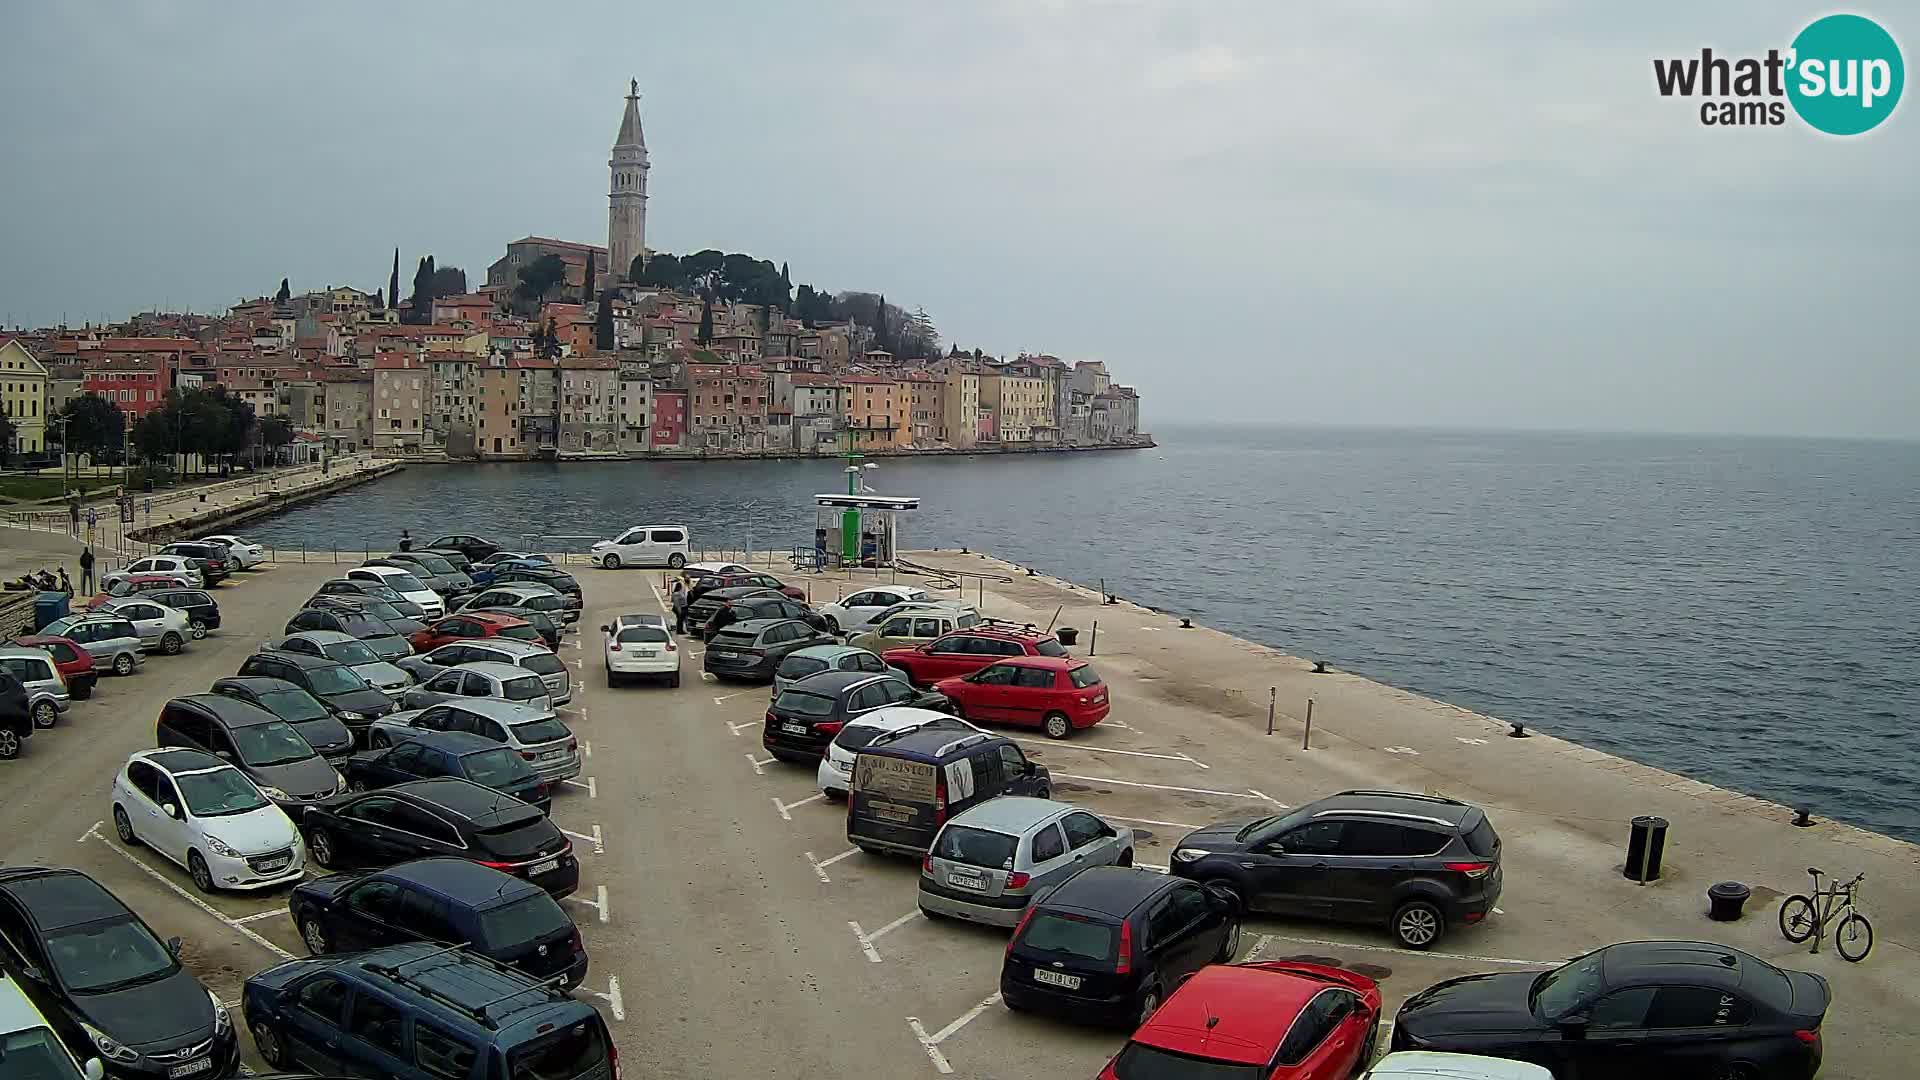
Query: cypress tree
[[706, 319], [284, 294], [393, 280], [586, 290]]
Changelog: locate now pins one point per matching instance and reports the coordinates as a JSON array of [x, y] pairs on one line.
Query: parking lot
[[734, 931]]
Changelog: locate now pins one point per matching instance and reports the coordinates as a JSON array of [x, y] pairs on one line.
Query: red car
[[964, 652], [1059, 694], [74, 663], [473, 624], [1275, 1021]]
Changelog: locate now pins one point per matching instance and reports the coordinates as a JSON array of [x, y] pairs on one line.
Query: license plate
[[961, 880], [1054, 978], [191, 1068], [647, 653], [551, 754], [794, 729], [543, 867], [276, 864]]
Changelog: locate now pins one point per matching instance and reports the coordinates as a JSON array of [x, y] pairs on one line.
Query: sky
[[1380, 212]]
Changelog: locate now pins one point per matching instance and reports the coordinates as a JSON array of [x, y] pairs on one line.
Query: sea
[[1745, 611]]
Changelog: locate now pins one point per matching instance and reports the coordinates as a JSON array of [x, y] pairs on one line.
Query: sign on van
[[896, 777]]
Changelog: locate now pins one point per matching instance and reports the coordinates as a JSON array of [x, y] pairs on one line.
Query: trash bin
[[1067, 635], [1725, 900], [1645, 844], [48, 607]]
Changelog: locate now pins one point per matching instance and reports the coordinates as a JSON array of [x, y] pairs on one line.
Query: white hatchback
[[634, 649], [176, 568], [207, 816], [1431, 1065], [410, 588], [245, 553], [644, 545], [856, 612], [835, 774]]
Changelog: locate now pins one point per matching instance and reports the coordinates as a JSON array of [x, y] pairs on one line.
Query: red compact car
[[74, 663], [964, 652], [473, 624], [1059, 694], [1277, 1020]]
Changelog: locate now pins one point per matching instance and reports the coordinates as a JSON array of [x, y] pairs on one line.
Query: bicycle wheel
[[1796, 918], [1854, 937]]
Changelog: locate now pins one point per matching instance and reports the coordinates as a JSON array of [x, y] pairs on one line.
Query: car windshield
[[524, 688], [855, 736], [108, 953], [404, 581], [277, 743], [1084, 677], [1048, 647], [543, 664], [523, 922], [1557, 992], [801, 703], [1069, 935], [539, 731], [799, 667], [578, 1051], [436, 565], [220, 792], [643, 635], [976, 847], [350, 653], [1139, 1061], [380, 609], [34, 1054], [362, 627], [334, 680], [495, 768], [523, 633]]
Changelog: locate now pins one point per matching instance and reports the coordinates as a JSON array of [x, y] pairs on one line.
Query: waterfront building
[[454, 394], [667, 426], [727, 406], [925, 404], [138, 384], [961, 416], [399, 403], [347, 405], [23, 395], [879, 413], [589, 408], [636, 408], [496, 427]]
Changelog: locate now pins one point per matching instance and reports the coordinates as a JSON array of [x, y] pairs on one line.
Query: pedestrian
[[66, 584], [679, 606], [86, 570], [406, 540], [73, 511]]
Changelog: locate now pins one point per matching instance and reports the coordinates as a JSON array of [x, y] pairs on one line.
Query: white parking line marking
[[738, 728], [90, 833], [1150, 821], [820, 868], [724, 698], [593, 790], [867, 939], [932, 1042], [759, 765], [1249, 793], [842, 855], [586, 744], [1058, 744], [784, 807], [612, 997], [1497, 911], [1156, 868], [707, 676], [1259, 946], [1323, 943], [600, 891], [259, 915], [1268, 797], [227, 920], [594, 838]]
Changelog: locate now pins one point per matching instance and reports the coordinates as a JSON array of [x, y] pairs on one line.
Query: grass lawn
[[30, 487]]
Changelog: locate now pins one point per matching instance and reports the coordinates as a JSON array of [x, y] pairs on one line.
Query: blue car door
[[375, 1045], [311, 1029]]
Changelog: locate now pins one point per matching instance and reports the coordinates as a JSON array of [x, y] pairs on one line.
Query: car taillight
[[541, 791], [614, 647], [527, 755], [940, 800], [772, 719], [1474, 870], [1024, 919], [613, 1059], [496, 865], [1018, 880], [831, 727], [926, 863], [1808, 1038], [1123, 961], [573, 744], [670, 647]]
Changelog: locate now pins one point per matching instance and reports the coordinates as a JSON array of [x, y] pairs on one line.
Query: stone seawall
[[220, 517]]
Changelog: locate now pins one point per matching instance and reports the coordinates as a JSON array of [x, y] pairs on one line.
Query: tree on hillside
[[586, 287], [447, 281], [422, 285], [919, 339], [538, 278], [393, 280], [379, 299], [603, 324], [706, 321], [284, 294]]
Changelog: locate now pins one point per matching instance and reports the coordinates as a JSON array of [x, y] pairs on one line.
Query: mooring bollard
[[1306, 733], [1273, 693], [1095, 643]]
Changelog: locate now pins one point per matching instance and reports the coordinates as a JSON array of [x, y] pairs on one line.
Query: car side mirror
[[605, 629], [224, 755], [173, 947], [172, 810]]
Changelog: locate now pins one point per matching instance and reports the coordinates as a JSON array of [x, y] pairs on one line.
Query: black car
[[808, 714], [443, 816], [201, 610], [105, 981], [16, 718], [547, 626], [358, 587], [309, 717], [1634, 1010], [213, 560], [339, 688], [282, 764], [763, 607], [460, 561], [1111, 942], [440, 575], [753, 649], [401, 624], [473, 547], [1417, 864], [702, 603], [385, 642], [449, 753], [451, 901], [561, 582]]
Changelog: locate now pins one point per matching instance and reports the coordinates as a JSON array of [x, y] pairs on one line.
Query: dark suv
[[754, 649], [423, 1012], [202, 611], [442, 816], [809, 713], [344, 693], [762, 607], [1417, 863]]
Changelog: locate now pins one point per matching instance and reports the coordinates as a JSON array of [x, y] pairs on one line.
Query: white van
[[644, 545]]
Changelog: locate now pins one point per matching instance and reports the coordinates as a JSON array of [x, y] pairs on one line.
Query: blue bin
[[48, 607]]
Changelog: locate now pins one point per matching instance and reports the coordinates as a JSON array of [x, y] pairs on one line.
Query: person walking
[[679, 606], [66, 583], [73, 513], [406, 540], [86, 570]]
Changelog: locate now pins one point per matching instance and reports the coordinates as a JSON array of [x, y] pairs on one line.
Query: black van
[[907, 783]]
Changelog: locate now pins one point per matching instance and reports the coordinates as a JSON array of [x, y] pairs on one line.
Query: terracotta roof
[[137, 344], [394, 362], [567, 245], [589, 363]]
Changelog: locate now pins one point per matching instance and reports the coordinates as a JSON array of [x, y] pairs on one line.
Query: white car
[[640, 650], [177, 568], [856, 612], [1431, 1065], [207, 816], [160, 627], [410, 588], [835, 774], [245, 553], [644, 545]]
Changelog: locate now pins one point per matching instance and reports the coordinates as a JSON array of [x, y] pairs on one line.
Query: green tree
[[8, 431], [586, 286], [446, 281], [603, 324], [275, 433], [91, 424], [393, 280], [706, 321], [538, 278], [422, 285], [156, 436], [284, 294]]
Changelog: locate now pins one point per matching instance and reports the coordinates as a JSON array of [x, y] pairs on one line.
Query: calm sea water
[[1738, 610]]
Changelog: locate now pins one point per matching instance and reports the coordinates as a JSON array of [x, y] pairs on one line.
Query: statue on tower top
[[633, 88]]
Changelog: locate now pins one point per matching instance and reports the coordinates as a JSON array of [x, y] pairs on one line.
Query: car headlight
[[222, 1020], [110, 1049], [1189, 854], [339, 781], [221, 847], [353, 716], [274, 793]]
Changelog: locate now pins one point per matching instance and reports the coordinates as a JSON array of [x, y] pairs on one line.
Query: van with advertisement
[[907, 783]]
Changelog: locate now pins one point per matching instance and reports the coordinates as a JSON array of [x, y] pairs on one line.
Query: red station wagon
[[75, 664], [1278, 1020], [964, 652], [473, 624], [1060, 694]]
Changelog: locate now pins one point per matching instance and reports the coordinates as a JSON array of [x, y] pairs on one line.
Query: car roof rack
[[397, 973], [962, 742], [1420, 796], [911, 729]]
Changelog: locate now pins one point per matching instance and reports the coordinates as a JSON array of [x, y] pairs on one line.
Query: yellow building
[[23, 397]]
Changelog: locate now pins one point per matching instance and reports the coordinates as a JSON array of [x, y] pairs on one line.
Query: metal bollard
[[1095, 643]]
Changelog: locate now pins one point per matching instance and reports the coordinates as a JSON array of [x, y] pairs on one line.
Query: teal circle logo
[[1846, 74]]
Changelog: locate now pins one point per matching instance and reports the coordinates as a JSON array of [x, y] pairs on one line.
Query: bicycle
[[1803, 917]]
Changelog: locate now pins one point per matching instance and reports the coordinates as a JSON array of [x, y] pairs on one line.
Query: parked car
[[211, 559], [74, 662], [377, 635], [429, 753], [1057, 694], [448, 902], [533, 657], [345, 694], [32, 1048], [373, 607], [763, 607], [499, 557], [524, 595], [16, 722], [818, 658], [268, 749], [135, 583], [245, 553], [545, 624], [467, 625], [201, 610], [105, 981], [160, 628], [47, 694], [967, 651], [835, 774], [411, 589], [991, 859], [754, 649], [692, 572], [208, 817], [743, 579], [639, 650], [481, 679], [541, 739], [109, 639], [1111, 943], [913, 624], [349, 650], [442, 816], [436, 571], [180, 569], [702, 606], [854, 613], [907, 783], [643, 545], [1636, 1009], [371, 586], [1432, 1065], [473, 547], [471, 1018], [458, 559], [312, 719], [808, 714], [1279, 1020], [539, 574], [1418, 864]]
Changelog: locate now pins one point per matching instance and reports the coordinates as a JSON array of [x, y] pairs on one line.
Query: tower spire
[[627, 191]]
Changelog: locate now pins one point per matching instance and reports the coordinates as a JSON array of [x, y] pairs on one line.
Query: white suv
[[178, 568], [634, 649], [853, 613]]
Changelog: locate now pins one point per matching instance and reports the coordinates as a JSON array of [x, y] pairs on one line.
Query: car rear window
[[540, 731], [404, 582], [856, 736], [734, 638], [1069, 935], [801, 703], [521, 838], [650, 635], [545, 602], [799, 667], [543, 664], [294, 705], [1139, 1061], [494, 768], [524, 688], [1048, 647], [976, 847], [895, 778], [523, 921], [521, 633], [562, 1055], [1084, 677], [1483, 840]]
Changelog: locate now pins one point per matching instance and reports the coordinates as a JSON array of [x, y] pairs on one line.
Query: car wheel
[[197, 867], [611, 562], [124, 826], [1044, 791], [171, 643], [379, 740], [320, 846], [1734, 1070], [198, 629], [676, 560], [1149, 1003], [1058, 726], [833, 625], [9, 744], [45, 714], [673, 679], [356, 785], [315, 936], [123, 664], [1229, 944], [267, 1041], [1418, 924]]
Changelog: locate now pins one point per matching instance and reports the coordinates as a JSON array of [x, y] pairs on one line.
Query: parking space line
[[1323, 943], [227, 920], [273, 913], [867, 939], [931, 1043], [759, 765], [1060, 744], [1150, 821], [724, 698], [1259, 946], [599, 904], [820, 867], [593, 790], [615, 1003], [738, 728], [599, 844], [1248, 793], [586, 744], [784, 807]]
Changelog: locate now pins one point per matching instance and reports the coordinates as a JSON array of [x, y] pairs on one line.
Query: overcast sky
[[1374, 213]]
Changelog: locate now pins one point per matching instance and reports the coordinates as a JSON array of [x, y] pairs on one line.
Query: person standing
[[73, 513], [66, 583], [679, 606], [86, 570], [406, 540]]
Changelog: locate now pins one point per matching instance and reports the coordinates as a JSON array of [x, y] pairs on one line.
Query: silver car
[[481, 679], [348, 650], [46, 690], [111, 640], [989, 861], [542, 740], [525, 654], [160, 627]]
